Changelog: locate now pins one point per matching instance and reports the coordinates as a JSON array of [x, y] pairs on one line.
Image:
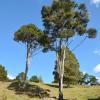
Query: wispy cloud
[[97, 51], [11, 77], [96, 2], [97, 68]]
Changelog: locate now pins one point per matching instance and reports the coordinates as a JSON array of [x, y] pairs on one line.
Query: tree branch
[[79, 44]]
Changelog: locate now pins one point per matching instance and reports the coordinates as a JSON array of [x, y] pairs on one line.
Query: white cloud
[[98, 79], [97, 68], [10, 77], [96, 2], [97, 51]]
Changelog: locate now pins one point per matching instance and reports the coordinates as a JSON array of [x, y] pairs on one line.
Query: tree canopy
[[65, 19], [28, 34]]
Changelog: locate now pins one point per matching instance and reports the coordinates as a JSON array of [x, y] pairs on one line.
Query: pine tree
[[29, 35], [62, 20]]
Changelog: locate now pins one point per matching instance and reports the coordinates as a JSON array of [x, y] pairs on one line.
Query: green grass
[[73, 93]]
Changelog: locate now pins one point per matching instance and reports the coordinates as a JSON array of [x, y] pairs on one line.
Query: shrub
[[36, 79], [20, 76], [3, 73]]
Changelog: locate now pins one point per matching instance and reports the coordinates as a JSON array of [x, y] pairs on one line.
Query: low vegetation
[[72, 93]]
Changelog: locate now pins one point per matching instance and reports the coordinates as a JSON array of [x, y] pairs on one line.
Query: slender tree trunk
[[61, 73], [27, 62], [22, 84], [61, 88]]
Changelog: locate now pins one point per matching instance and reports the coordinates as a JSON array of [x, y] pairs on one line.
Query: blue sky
[[15, 13]]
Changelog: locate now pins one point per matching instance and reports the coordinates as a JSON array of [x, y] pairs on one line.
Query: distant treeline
[[83, 79]]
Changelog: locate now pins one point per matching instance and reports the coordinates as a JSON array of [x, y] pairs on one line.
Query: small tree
[[88, 80], [3, 73], [93, 80], [29, 35], [36, 79], [20, 76], [62, 20], [85, 79]]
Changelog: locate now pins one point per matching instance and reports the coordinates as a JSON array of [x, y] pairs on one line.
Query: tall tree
[[63, 20], [29, 35], [71, 72]]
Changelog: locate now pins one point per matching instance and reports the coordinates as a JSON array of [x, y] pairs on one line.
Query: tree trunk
[[68, 84], [61, 73], [27, 62], [22, 84], [61, 88]]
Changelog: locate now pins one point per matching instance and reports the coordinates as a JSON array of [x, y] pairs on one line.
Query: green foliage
[[28, 34], [20, 76], [45, 42], [72, 72], [36, 79], [93, 80], [3, 73], [88, 80], [65, 19]]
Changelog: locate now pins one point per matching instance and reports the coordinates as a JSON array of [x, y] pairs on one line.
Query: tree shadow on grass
[[30, 90], [55, 98], [95, 99]]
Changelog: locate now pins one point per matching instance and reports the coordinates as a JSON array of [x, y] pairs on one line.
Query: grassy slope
[[74, 93]]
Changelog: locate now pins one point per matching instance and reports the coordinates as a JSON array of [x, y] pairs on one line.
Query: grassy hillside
[[73, 93]]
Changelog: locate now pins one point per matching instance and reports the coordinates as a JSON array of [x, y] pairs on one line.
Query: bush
[[20, 76], [36, 79], [3, 73]]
